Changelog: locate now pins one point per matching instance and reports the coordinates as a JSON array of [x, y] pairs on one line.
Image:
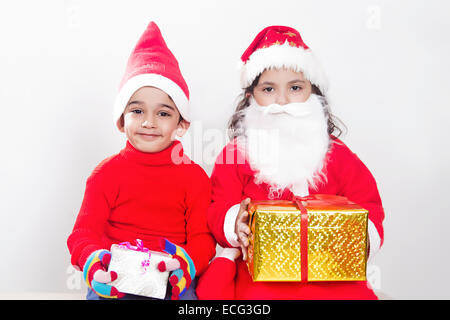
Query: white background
[[61, 63]]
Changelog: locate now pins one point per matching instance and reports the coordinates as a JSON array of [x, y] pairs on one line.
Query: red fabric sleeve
[[227, 190], [200, 245], [218, 281], [360, 186], [87, 233]]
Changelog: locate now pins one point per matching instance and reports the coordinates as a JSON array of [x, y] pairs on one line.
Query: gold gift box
[[335, 239]]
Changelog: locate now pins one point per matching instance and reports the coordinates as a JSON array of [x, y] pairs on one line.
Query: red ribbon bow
[[138, 247]]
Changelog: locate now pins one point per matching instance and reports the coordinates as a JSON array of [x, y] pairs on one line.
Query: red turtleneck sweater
[[138, 195]]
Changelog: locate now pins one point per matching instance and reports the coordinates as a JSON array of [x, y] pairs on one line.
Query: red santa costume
[[330, 168], [138, 195]]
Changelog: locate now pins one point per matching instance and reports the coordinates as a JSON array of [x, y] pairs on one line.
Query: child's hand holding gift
[[242, 229], [96, 275], [182, 267]]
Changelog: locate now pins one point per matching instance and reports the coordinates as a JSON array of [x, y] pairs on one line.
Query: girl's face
[[281, 86], [151, 120]]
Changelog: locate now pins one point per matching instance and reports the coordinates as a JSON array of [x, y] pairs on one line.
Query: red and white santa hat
[[152, 64], [278, 47]]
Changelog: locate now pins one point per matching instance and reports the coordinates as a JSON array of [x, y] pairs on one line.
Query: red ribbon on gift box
[[138, 247], [303, 237], [338, 200]]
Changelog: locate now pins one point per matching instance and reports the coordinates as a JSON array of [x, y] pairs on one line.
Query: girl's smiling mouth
[[149, 136]]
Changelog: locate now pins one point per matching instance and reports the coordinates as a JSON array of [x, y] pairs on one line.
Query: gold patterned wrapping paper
[[336, 240]]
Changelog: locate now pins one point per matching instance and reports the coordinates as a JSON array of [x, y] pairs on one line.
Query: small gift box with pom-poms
[[137, 270]]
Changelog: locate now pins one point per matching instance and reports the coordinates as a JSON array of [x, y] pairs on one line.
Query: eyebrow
[[135, 102], [142, 102], [167, 106], [290, 82], [297, 80]]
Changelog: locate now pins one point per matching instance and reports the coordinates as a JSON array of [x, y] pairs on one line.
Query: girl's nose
[[282, 98]]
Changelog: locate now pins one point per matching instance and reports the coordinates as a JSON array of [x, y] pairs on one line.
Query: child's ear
[[121, 124], [182, 127]]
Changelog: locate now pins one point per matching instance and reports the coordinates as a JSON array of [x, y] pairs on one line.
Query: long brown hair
[[335, 126]]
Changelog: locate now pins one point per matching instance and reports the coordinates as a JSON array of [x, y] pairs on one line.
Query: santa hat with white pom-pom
[[281, 47]]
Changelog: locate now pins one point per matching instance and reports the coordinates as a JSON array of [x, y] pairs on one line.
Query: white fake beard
[[286, 144]]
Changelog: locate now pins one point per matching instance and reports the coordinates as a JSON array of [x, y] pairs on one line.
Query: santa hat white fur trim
[[284, 56], [151, 80]]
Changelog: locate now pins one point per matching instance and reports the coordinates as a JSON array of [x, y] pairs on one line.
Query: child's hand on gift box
[[181, 265], [241, 228], [96, 275]]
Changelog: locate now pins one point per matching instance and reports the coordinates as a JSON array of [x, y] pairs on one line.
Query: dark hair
[[335, 126]]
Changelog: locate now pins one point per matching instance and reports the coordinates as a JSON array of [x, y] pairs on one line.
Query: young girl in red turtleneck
[[150, 190]]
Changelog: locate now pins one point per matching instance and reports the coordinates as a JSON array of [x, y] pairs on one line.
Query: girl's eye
[[296, 88], [164, 114], [268, 89], [136, 111]]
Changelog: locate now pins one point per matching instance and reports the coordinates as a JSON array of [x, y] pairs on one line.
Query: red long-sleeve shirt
[[136, 195]]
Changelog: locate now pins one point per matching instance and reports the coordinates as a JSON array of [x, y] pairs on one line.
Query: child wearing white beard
[[284, 142]]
